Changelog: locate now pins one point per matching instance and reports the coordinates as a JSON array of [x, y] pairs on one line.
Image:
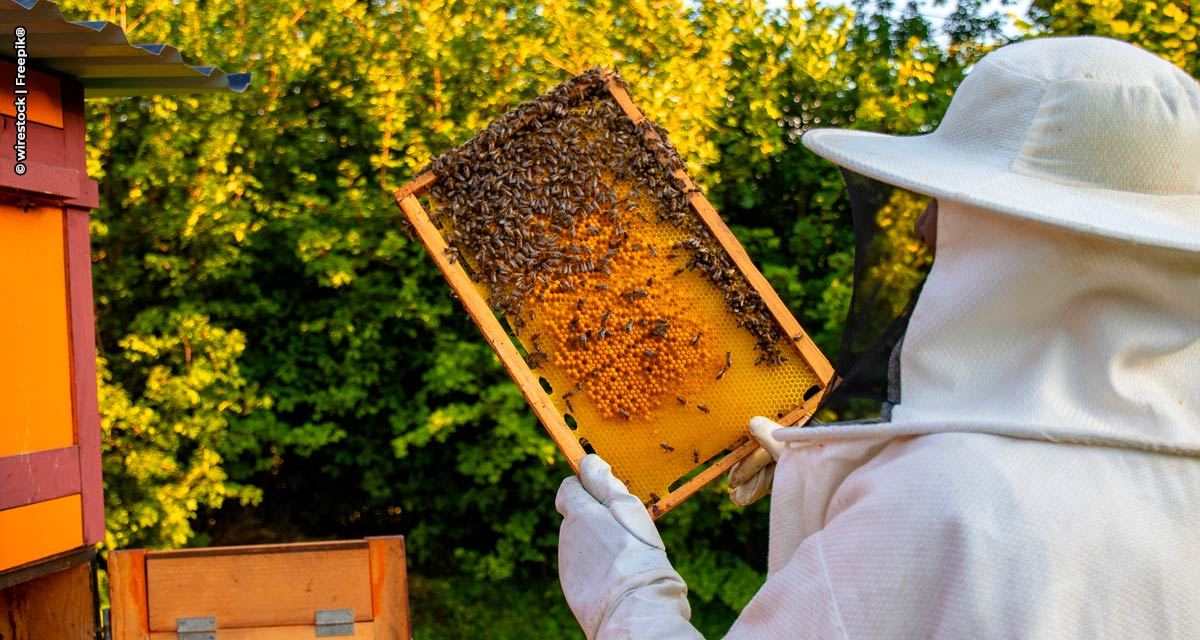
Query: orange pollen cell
[[623, 335]]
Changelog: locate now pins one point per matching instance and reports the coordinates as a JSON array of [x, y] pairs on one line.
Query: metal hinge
[[335, 622], [200, 628]]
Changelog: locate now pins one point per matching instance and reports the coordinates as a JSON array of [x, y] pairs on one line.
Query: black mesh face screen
[[890, 265]]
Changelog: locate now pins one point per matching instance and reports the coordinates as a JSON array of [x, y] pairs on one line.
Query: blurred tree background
[[280, 362]]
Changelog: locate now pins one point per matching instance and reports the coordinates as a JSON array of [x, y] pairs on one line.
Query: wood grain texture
[[257, 589], [56, 606], [389, 588], [251, 549], [127, 595]]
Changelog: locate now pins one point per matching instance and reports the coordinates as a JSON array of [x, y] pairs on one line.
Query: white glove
[[611, 562], [751, 477]]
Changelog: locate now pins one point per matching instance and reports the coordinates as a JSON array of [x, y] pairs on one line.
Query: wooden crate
[[354, 589]]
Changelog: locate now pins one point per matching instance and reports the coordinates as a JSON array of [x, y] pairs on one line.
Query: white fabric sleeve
[[655, 611]]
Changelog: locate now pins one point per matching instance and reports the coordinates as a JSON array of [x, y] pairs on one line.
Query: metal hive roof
[[100, 56]]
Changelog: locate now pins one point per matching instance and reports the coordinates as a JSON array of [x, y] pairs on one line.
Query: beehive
[[630, 316]]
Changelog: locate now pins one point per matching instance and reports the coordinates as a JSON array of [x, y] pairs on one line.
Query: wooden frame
[[261, 591], [408, 199]]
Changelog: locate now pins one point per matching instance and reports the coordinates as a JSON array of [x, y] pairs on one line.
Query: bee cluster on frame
[[571, 220]]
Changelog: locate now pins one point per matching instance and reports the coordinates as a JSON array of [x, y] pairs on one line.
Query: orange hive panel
[[651, 344], [40, 530], [36, 406]]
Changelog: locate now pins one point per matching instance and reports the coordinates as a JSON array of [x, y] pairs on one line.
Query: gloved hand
[[751, 477], [611, 562]]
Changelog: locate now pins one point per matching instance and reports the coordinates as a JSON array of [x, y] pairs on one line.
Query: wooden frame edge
[[389, 587], [82, 327], [128, 606]]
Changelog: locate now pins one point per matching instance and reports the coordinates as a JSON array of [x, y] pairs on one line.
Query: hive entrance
[[625, 293]]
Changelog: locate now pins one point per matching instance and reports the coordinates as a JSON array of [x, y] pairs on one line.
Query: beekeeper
[[1040, 476]]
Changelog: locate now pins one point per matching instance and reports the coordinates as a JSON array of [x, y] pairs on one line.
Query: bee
[[695, 455], [568, 394], [654, 499], [728, 359], [696, 339], [623, 412], [721, 373], [650, 281], [629, 326], [666, 447], [702, 408], [681, 400], [678, 271], [650, 353], [570, 407], [651, 248]]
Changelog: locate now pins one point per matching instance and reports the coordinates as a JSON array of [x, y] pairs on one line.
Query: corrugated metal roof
[[100, 56]]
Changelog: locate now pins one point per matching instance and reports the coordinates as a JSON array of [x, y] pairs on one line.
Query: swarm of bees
[[556, 210]]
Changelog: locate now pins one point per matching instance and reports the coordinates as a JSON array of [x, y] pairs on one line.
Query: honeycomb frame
[[549, 408]]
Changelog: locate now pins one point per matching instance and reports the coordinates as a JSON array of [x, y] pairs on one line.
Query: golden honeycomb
[[656, 351]]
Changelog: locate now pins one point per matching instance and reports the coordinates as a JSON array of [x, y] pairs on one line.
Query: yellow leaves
[[439, 420], [1176, 14]]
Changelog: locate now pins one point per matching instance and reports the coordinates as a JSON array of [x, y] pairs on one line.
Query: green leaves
[[165, 427]]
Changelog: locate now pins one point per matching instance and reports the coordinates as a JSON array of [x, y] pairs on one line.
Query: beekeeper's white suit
[[1040, 477]]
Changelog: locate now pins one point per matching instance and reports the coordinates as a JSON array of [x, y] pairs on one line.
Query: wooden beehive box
[[631, 318], [51, 504], [353, 589]]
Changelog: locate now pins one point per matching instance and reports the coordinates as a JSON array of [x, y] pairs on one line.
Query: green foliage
[[279, 361], [163, 430], [466, 609], [1168, 28]]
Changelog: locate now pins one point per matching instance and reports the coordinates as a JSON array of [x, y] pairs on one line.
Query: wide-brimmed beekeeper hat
[[1086, 133]]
